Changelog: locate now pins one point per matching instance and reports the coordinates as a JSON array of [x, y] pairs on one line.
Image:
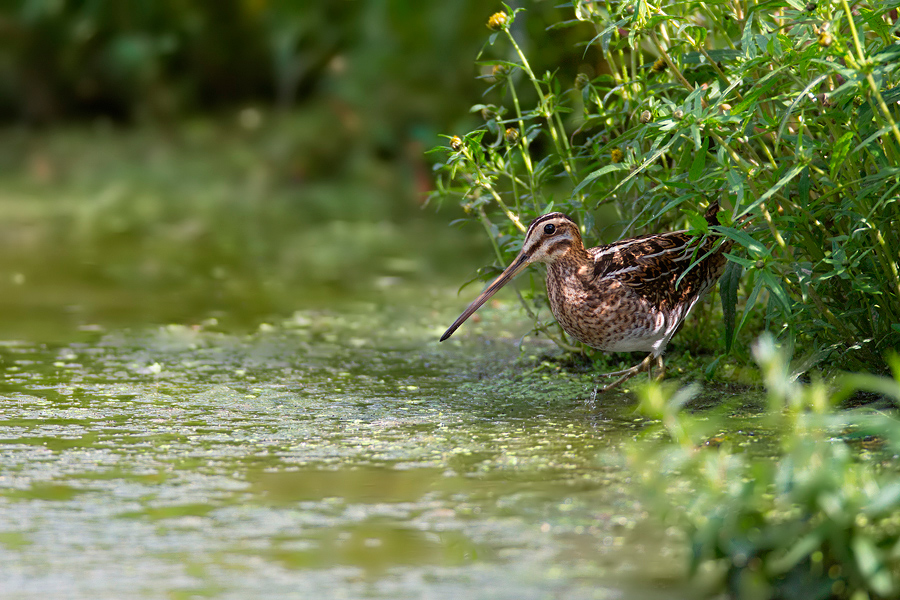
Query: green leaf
[[839, 152], [728, 286], [743, 238], [685, 160], [876, 22], [886, 502], [735, 186], [868, 382], [697, 222], [751, 301], [640, 168], [741, 260], [803, 187], [797, 552], [792, 172], [695, 58], [797, 99], [695, 134], [710, 370], [871, 564], [699, 161], [777, 290], [698, 34], [747, 44], [599, 173]]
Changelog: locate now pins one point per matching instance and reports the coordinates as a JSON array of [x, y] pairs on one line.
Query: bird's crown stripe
[[543, 218]]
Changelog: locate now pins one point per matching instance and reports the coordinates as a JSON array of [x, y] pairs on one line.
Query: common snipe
[[624, 297]]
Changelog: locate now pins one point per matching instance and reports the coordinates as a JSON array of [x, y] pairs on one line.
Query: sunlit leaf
[[839, 152]]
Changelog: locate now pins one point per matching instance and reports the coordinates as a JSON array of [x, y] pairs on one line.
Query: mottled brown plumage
[[625, 297]]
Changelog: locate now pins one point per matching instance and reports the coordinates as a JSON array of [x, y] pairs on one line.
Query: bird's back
[[638, 291]]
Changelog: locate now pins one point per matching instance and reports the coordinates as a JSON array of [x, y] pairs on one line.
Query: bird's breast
[[604, 314]]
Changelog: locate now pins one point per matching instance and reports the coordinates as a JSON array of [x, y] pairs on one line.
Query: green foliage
[[818, 522], [165, 58], [784, 111]]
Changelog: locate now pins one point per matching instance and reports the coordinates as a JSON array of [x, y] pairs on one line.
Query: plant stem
[[863, 62], [673, 68], [562, 147], [484, 182]]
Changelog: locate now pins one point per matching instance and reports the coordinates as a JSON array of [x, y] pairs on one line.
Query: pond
[[337, 453], [217, 381]]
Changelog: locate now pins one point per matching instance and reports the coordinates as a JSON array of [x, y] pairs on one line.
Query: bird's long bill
[[505, 277]]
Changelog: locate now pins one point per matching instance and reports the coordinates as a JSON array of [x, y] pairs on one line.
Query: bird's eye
[[549, 228]]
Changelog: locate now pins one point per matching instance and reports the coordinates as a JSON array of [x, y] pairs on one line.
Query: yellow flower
[[512, 135], [616, 155], [456, 143], [498, 21]]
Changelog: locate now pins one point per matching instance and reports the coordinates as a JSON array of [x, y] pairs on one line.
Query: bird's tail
[[712, 218], [711, 213]]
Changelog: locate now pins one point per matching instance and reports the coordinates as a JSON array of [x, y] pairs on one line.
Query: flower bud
[[498, 21], [499, 72], [582, 81]]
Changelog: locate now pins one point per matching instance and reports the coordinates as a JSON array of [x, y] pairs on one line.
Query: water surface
[[330, 454]]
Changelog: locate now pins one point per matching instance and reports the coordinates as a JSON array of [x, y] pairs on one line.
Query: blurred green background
[[175, 160]]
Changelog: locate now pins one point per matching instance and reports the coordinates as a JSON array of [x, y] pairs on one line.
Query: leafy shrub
[[816, 522], [785, 111]]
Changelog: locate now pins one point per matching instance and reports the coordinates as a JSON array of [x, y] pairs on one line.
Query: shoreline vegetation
[[778, 114]]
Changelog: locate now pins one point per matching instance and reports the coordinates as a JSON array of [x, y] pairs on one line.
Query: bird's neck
[[574, 261]]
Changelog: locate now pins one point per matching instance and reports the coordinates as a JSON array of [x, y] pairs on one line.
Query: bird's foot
[[626, 374], [642, 366]]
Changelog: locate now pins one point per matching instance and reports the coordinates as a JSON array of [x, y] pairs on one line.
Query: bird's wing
[[650, 265]]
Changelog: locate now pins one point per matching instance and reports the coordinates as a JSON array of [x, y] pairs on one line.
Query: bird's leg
[[627, 374], [662, 368], [661, 365]]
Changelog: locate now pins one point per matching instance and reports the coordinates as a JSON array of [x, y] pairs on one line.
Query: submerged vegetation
[[786, 112]]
